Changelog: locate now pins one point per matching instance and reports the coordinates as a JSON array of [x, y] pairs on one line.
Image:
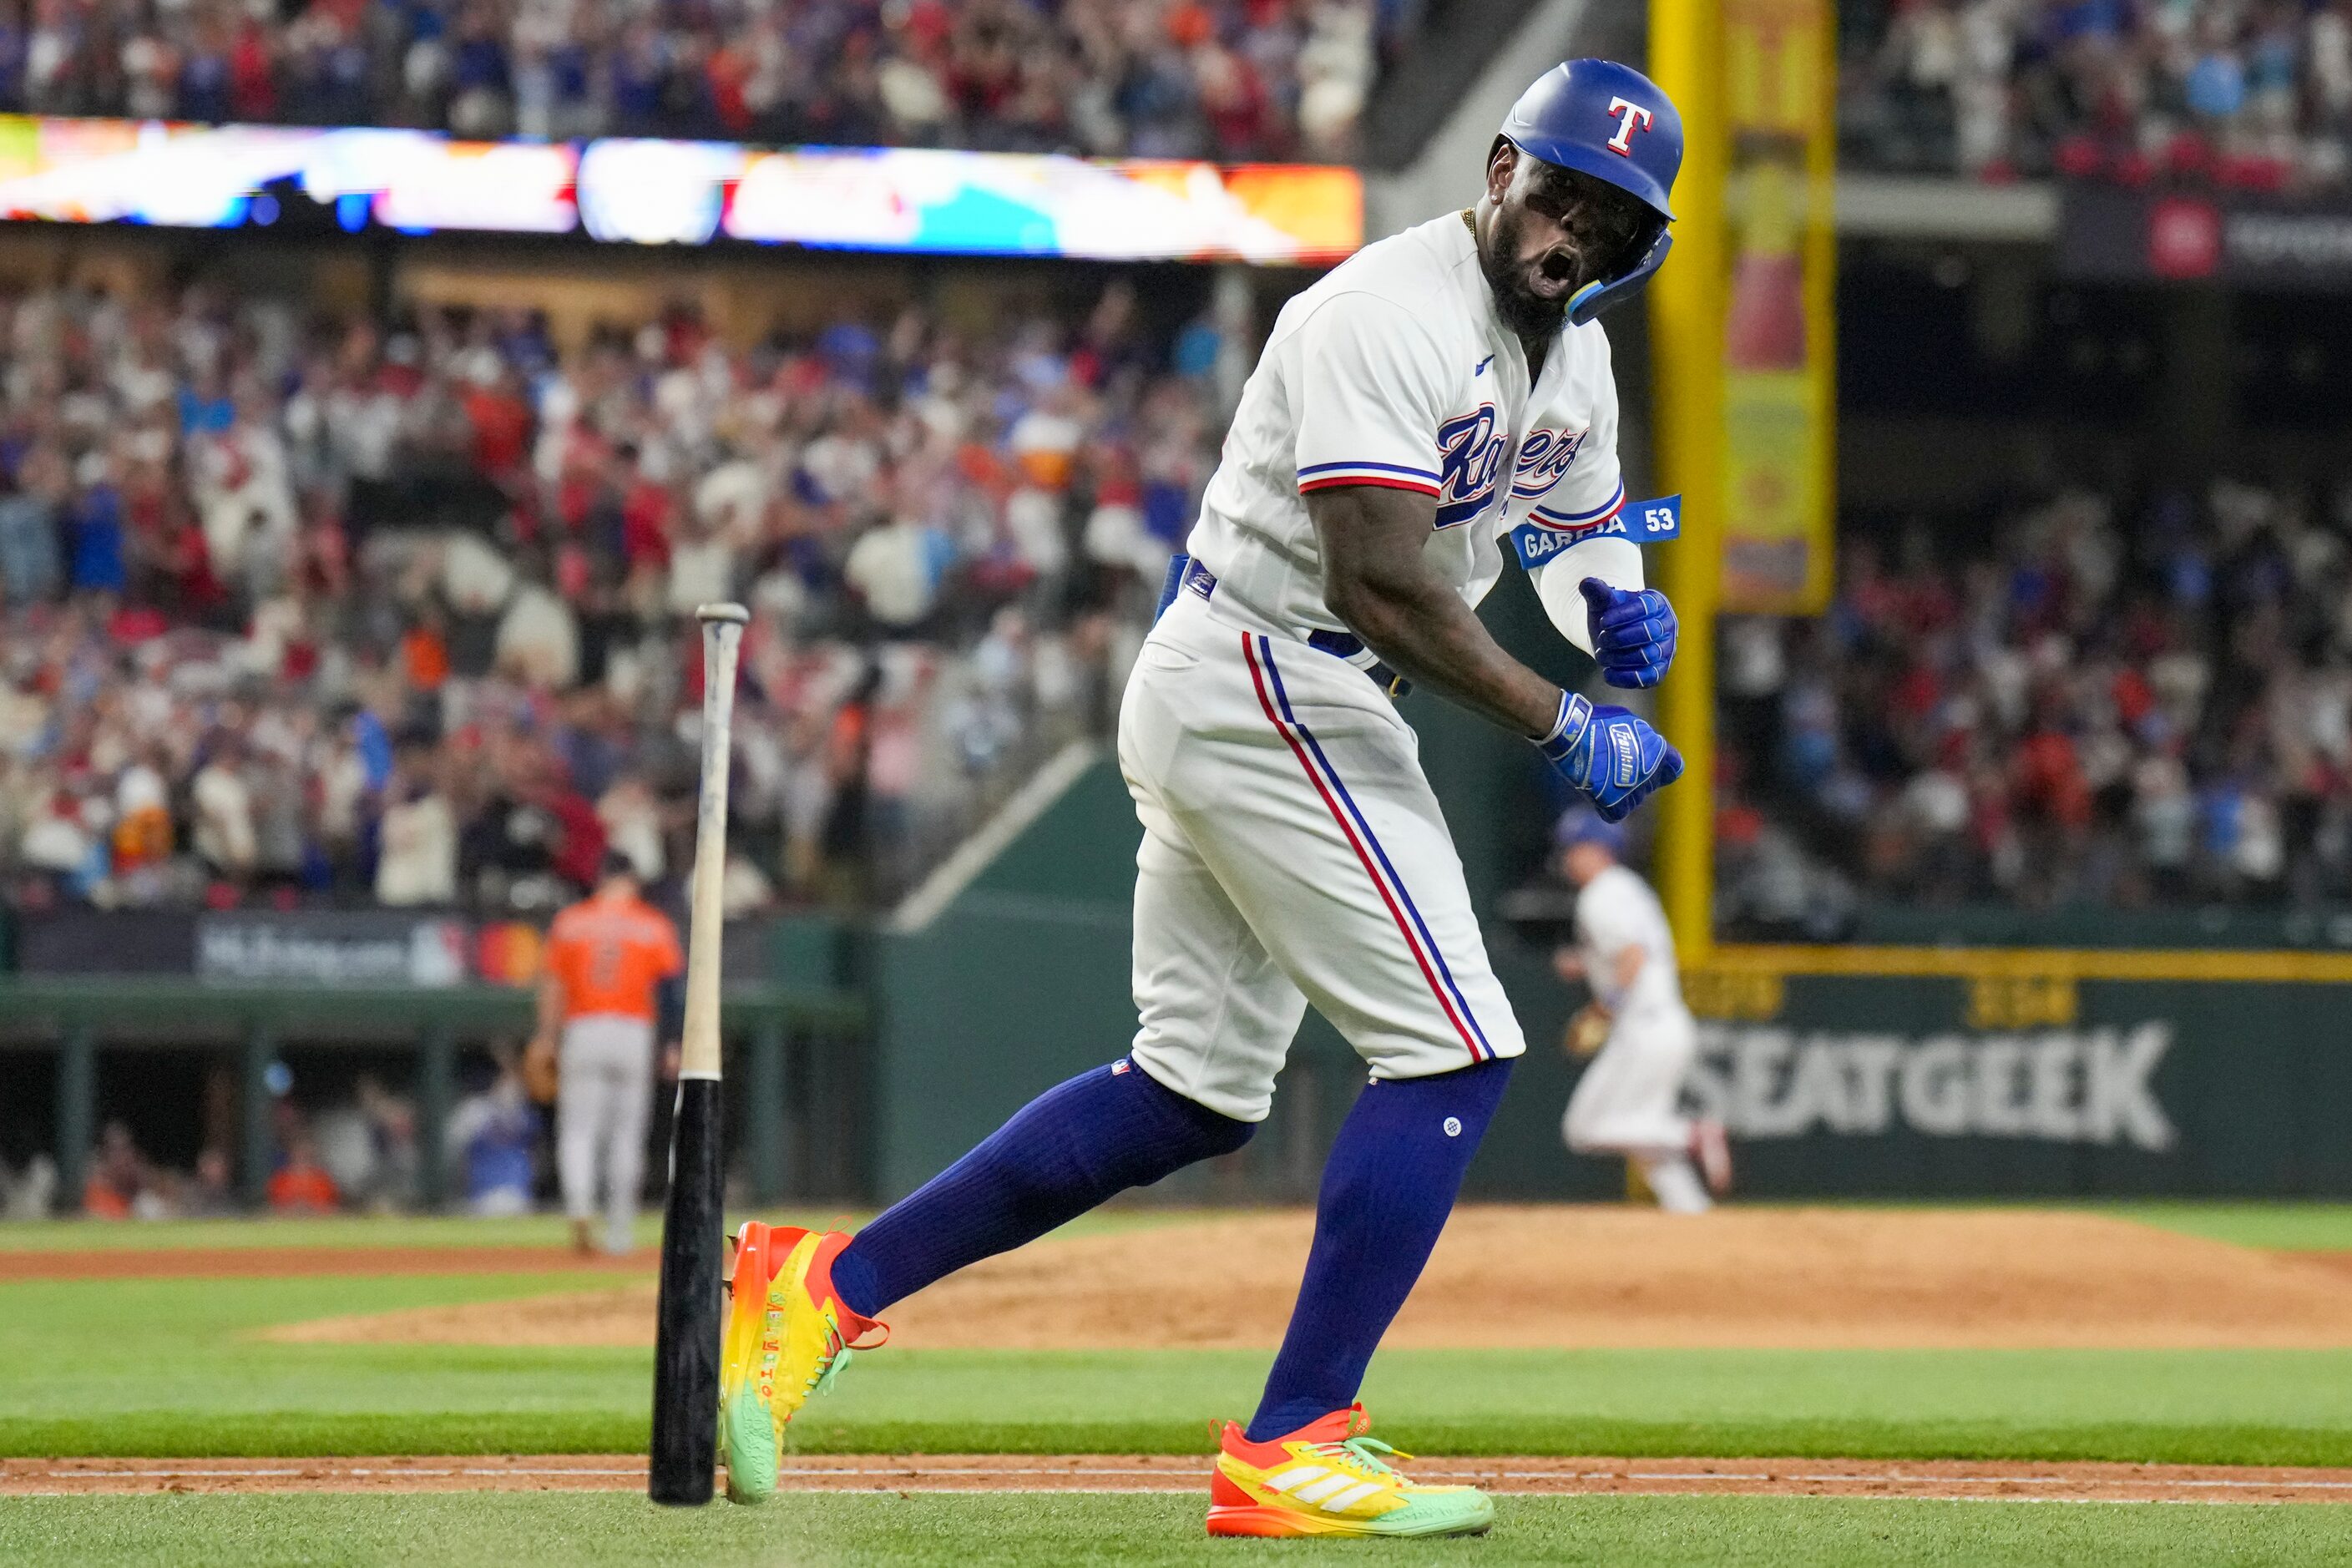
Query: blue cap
[[1582, 825]]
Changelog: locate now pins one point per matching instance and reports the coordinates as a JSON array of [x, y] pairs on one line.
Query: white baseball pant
[[1628, 1102], [1629, 1098], [603, 1102], [1292, 852]]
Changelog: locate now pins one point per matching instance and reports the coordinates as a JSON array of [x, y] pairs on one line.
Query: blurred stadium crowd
[[312, 610], [2252, 93], [1231, 79], [2102, 703]]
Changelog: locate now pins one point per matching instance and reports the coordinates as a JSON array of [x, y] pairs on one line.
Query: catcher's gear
[[1616, 760], [1587, 1031], [1614, 124], [1634, 632]]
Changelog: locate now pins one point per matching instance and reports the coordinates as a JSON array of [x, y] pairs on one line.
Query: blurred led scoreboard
[[646, 192]]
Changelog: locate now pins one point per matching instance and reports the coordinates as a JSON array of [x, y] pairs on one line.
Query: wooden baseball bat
[[686, 1341]]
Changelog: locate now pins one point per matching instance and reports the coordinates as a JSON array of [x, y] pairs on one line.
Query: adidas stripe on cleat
[[1330, 1478]]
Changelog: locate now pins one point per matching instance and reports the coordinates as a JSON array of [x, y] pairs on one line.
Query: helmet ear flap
[[1603, 293]]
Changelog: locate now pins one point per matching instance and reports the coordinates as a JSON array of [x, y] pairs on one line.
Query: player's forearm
[[1378, 584], [550, 1005]]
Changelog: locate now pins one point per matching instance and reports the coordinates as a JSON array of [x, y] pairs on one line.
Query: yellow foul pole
[[1686, 322]]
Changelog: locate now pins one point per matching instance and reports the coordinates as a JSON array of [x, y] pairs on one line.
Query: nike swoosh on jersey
[[1482, 366]]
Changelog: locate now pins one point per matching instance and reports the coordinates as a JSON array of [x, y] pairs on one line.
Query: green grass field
[[974, 1531], [172, 1367], [450, 1230], [2297, 1227]]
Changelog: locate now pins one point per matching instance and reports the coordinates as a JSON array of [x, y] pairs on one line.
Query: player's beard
[[1523, 310]]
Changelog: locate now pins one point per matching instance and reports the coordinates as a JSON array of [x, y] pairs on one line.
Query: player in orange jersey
[[611, 960]]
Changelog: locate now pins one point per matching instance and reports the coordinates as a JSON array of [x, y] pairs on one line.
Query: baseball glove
[[1587, 1031]]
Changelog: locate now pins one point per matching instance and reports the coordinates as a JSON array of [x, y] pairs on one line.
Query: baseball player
[[610, 959], [1442, 397], [1628, 1102]]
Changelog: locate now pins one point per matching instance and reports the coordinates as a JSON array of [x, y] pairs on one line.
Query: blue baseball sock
[[1063, 1154], [1391, 1179]]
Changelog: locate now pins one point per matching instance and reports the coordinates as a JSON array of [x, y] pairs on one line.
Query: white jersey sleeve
[[1580, 507], [1614, 912], [1369, 397]]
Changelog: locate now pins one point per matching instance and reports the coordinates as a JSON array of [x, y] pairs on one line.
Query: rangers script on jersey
[[1394, 370]]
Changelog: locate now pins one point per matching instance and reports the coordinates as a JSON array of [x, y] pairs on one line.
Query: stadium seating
[[2103, 704], [1270, 78], [2252, 96], [358, 610]]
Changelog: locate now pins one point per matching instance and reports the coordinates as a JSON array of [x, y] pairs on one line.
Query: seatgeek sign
[[2085, 1086]]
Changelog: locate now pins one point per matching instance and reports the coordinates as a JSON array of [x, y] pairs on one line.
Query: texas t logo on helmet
[[1562, 120], [1631, 117]]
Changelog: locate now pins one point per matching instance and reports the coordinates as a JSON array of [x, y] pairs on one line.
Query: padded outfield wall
[[1958, 1073]]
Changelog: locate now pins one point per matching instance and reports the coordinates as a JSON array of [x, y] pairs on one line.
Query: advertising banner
[[378, 948], [1856, 1085], [1779, 378], [2091, 1087], [644, 192], [2242, 239], [334, 948], [105, 942]]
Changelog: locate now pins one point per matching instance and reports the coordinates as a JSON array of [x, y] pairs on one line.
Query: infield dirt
[[1566, 1277], [1965, 1478]]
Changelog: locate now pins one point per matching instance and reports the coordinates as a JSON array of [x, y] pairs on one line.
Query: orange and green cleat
[[788, 1336], [1329, 1478], [747, 1433]]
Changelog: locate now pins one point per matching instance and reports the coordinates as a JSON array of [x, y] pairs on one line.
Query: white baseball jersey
[[1616, 910], [1394, 370], [1292, 851]]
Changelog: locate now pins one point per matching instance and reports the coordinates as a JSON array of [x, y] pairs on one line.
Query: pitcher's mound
[[1566, 1277]]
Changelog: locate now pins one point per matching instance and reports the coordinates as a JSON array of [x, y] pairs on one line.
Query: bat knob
[[736, 613]]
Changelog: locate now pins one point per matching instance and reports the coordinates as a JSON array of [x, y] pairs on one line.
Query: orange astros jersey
[[609, 954]]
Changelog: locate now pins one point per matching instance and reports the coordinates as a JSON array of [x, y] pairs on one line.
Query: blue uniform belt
[[1186, 576]]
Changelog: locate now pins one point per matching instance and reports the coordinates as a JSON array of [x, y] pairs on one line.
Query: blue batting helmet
[[1611, 122], [1582, 825]]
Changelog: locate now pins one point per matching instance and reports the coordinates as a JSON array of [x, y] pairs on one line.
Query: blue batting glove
[[1633, 633], [1616, 760]]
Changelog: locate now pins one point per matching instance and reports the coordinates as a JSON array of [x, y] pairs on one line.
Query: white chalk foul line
[[895, 1478]]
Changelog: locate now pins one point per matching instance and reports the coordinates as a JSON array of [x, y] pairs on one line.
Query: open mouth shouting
[[1556, 275]]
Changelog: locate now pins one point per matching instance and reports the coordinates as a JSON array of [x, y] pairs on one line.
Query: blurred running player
[[1628, 1102]]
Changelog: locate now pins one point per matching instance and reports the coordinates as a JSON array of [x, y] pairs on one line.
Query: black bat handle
[[685, 1343]]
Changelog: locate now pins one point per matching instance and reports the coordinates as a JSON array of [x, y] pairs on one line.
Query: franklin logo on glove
[[1640, 761]]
